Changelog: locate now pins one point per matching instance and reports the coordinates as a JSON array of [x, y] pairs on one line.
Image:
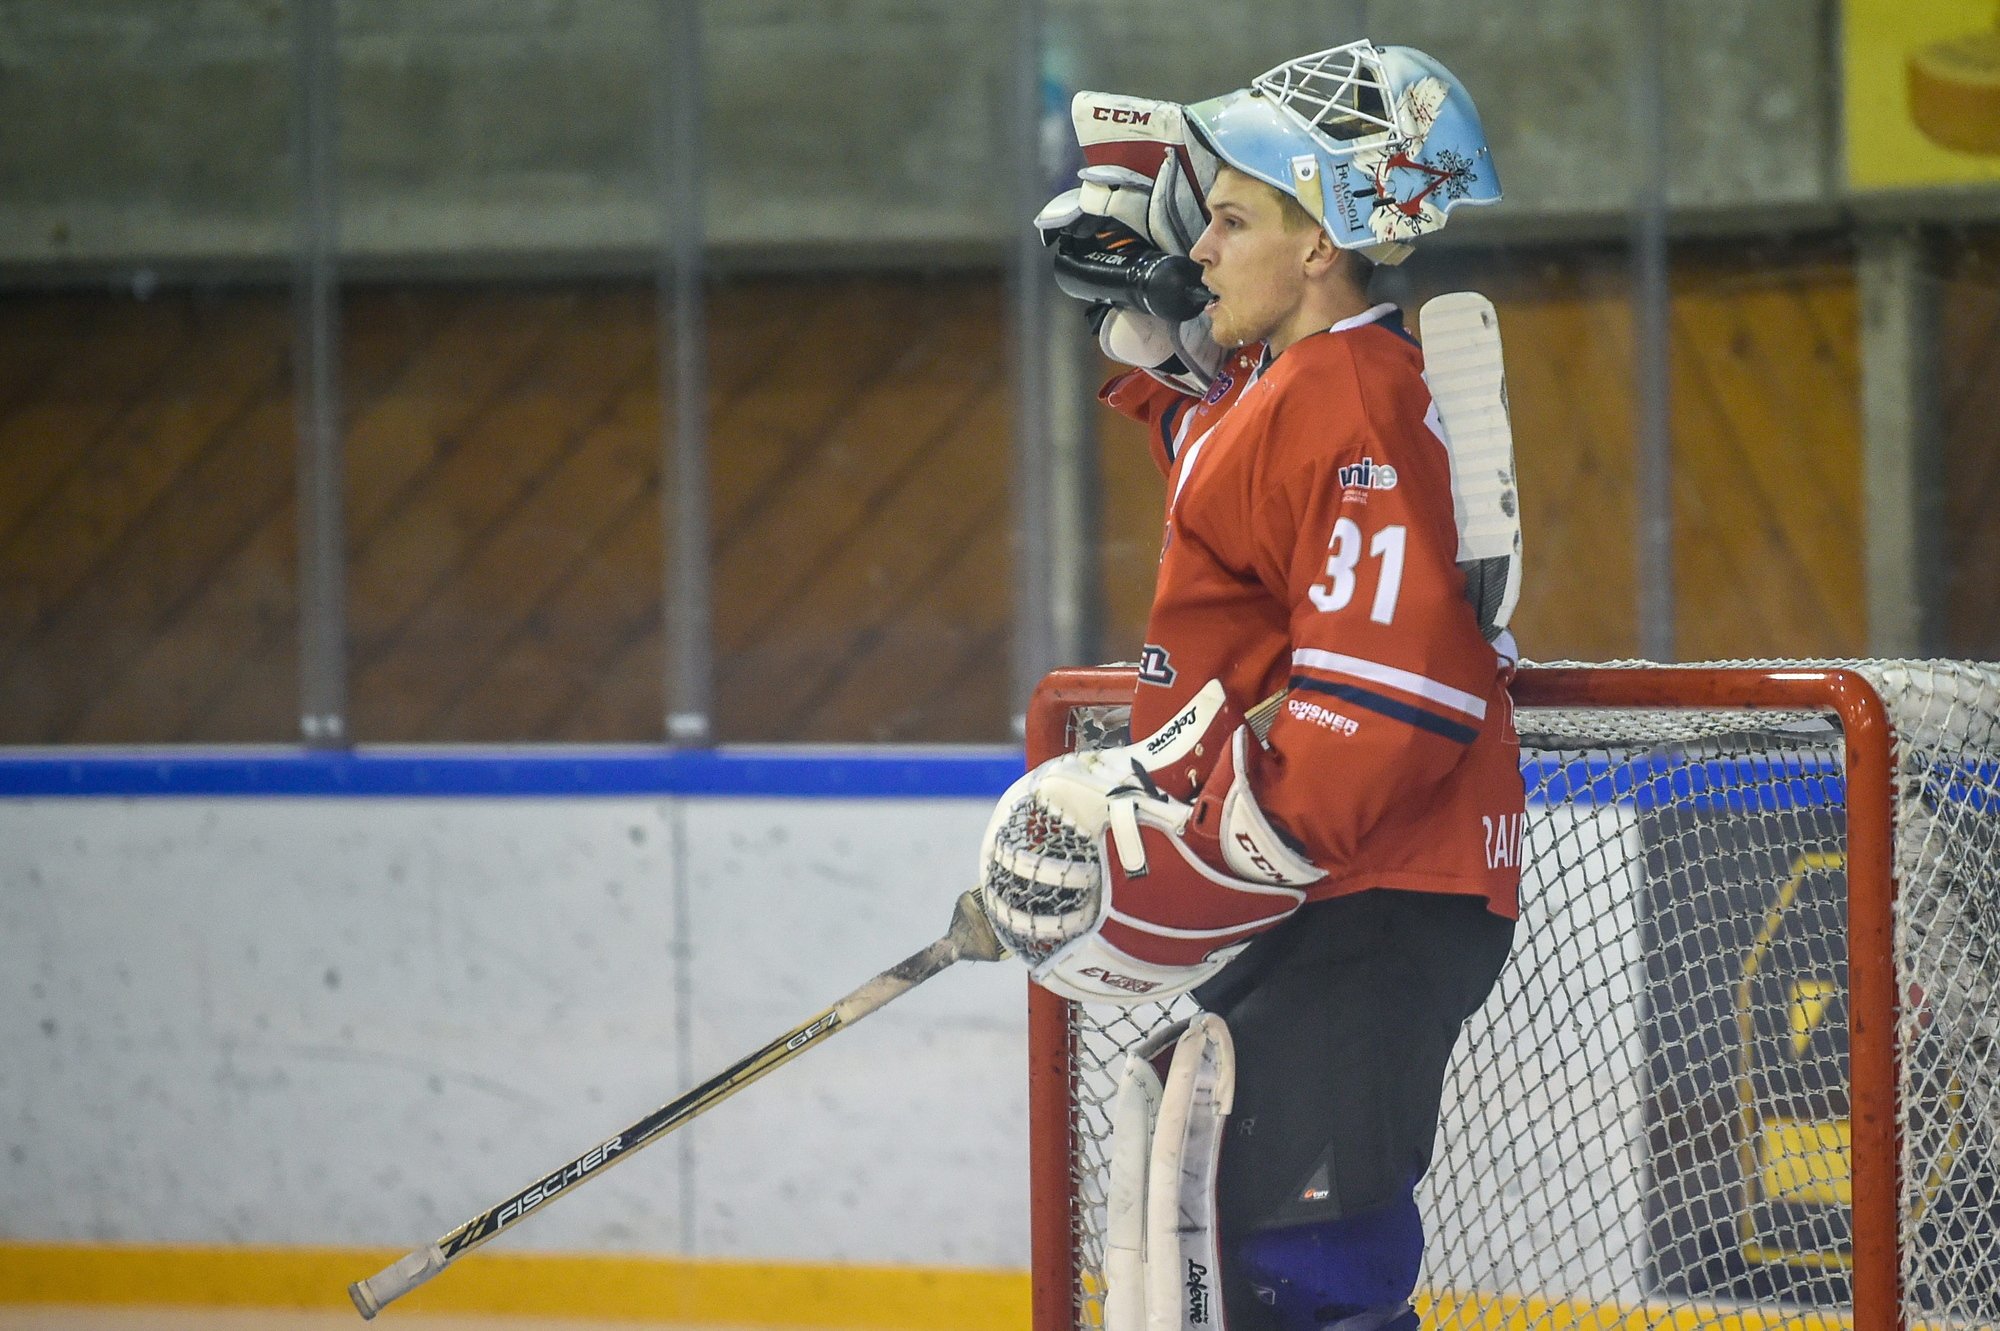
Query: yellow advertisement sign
[[1806, 1160], [1922, 82]]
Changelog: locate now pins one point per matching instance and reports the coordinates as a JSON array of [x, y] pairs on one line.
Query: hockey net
[[1743, 1067]]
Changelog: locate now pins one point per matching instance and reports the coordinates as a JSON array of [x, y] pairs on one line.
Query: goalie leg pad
[[1135, 1108], [1359, 1269], [1183, 1267]]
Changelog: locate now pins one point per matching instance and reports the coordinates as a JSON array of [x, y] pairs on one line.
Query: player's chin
[[1222, 327]]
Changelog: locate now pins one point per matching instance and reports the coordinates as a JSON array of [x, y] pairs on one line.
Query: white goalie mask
[[1378, 144]]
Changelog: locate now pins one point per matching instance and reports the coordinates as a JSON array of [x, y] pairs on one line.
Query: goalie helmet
[[1378, 144]]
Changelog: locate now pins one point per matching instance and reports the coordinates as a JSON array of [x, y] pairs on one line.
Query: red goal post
[[1776, 1118]]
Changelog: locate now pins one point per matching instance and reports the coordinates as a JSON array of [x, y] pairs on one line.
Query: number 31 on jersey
[[1343, 558]]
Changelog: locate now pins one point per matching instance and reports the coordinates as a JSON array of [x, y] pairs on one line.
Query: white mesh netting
[[1648, 1122]]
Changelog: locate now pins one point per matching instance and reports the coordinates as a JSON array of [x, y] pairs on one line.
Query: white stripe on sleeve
[[1406, 681]]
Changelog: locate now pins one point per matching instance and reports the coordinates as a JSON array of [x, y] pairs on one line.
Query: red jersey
[[1311, 546]]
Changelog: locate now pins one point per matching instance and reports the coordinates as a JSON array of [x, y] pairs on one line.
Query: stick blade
[[392, 1282]]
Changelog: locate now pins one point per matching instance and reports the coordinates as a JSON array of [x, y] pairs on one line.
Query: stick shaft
[[400, 1277]]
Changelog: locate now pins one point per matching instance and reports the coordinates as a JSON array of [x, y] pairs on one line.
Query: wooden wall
[[145, 516], [503, 497], [1971, 389], [504, 514]]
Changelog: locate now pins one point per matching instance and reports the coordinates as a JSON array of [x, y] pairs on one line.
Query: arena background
[[521, 373]]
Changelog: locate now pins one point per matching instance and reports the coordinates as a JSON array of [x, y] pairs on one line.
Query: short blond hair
[[1295, 214], [1295, 217]]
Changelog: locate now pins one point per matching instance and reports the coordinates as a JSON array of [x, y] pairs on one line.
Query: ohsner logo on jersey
[[1324, 717], [1154, 667], [1368, 474]]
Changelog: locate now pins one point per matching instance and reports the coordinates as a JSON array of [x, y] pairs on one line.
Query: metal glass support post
[[1902, 441], [1029, 301], [322, 588], [1075, 587], [1076, 573], [1651, 340], [677, 138], [1058, 564]]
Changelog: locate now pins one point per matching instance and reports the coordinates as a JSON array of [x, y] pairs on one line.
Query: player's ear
[[1322, 256]]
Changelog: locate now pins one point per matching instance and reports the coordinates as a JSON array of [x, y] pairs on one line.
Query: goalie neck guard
[[1376, 143]]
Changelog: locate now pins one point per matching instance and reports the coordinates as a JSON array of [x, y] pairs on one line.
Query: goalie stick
[[970, 938]]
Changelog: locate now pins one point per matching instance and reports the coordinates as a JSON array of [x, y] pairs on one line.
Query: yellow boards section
[[1922, 93], [572, 1285]]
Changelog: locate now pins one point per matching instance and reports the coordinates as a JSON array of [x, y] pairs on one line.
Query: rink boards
[[292, 1017]]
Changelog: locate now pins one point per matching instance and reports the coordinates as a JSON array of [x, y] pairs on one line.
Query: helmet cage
[[1341, 96]]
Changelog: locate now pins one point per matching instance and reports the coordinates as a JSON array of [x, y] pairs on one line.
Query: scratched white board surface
[[360, 1021]]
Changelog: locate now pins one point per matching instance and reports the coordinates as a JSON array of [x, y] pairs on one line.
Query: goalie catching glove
[[1121, 876], [1142, 176]]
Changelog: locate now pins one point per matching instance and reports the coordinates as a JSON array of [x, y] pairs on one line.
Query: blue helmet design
[[1378, 143]]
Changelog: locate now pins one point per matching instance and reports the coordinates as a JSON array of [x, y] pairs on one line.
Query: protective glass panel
[[1919, 165], [1959, 468], [500, 378], [146, 401], [861, 409]]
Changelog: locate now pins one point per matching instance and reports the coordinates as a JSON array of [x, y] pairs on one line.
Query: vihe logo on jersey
[[1368, 474]]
